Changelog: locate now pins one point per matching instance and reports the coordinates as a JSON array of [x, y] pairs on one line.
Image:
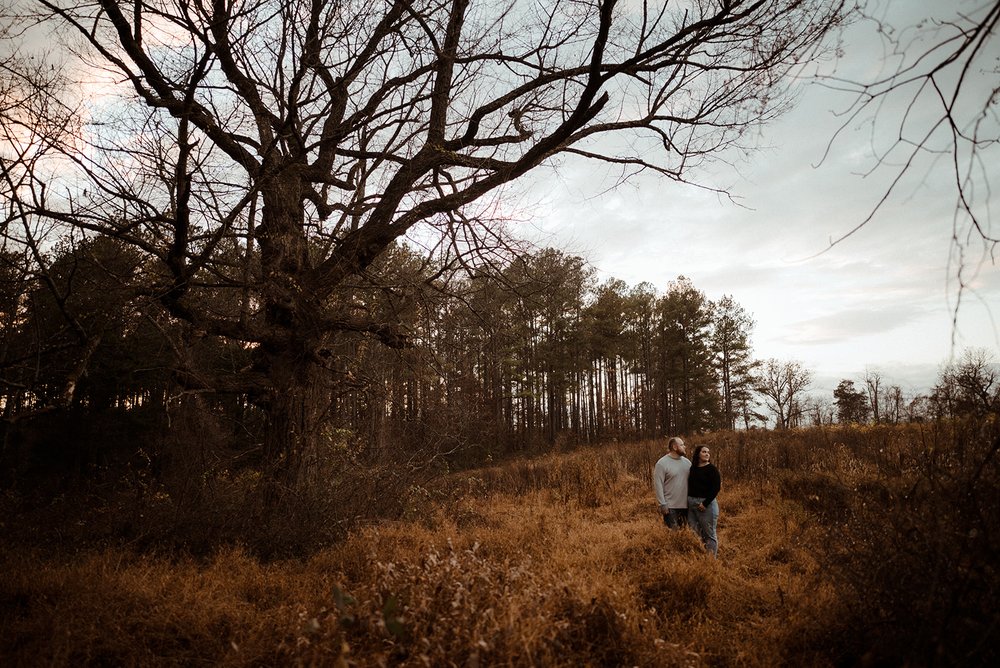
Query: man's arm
[[658, 486]]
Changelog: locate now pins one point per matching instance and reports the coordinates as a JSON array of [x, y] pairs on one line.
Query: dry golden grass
[[557, 561]]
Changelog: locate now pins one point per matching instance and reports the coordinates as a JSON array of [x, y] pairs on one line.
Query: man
[[670, 480]]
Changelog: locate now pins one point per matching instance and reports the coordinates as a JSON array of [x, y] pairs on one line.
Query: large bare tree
[[268, 151]]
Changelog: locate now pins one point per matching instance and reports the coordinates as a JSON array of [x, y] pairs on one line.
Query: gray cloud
[[850, 323]]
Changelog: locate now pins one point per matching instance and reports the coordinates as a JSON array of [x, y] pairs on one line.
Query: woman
[[704, 483]]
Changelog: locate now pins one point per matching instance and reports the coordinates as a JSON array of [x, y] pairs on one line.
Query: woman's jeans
[[704, 522]]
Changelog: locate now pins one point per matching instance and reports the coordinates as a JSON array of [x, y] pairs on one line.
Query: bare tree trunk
[[296, 414]]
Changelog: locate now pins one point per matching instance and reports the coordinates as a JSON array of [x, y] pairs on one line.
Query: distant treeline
[[522, 354]]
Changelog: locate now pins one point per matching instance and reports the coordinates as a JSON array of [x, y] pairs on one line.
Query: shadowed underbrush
[[872, 546]]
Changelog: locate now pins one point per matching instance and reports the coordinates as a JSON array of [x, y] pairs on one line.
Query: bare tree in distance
[[874, 388], [895, 405], [783, 385], [970, 385], [935, 101], [268, 152]]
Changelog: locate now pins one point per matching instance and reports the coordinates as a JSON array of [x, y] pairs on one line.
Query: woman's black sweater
[[704, 481]]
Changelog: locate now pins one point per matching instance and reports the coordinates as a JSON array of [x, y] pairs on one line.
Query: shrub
[[917, 562]]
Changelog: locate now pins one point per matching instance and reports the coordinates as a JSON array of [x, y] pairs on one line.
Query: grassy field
[[561, 560]]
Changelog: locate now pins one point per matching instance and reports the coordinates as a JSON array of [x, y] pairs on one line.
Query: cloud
[[849, 324]]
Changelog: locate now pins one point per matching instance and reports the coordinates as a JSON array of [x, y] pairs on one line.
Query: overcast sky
[[882, 299]]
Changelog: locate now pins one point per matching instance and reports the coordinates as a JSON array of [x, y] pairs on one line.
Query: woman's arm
[[714, 479]]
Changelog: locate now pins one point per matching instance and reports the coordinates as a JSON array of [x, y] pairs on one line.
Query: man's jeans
[[675, 518], [704, 522]]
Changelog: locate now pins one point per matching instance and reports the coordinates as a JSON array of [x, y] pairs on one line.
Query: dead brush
[[453, 606], [558, 561], [464, 606], [111, 608], [672, 582], [587, 477], [918, 561]]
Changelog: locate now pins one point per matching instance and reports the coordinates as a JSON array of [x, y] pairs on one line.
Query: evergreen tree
[[733, 357], [852, 404], [688, 374]]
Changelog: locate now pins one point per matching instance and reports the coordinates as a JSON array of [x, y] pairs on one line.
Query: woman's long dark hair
[[697, 451]]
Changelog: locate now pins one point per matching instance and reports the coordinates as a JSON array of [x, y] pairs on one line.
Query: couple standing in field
[[686, 491]]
